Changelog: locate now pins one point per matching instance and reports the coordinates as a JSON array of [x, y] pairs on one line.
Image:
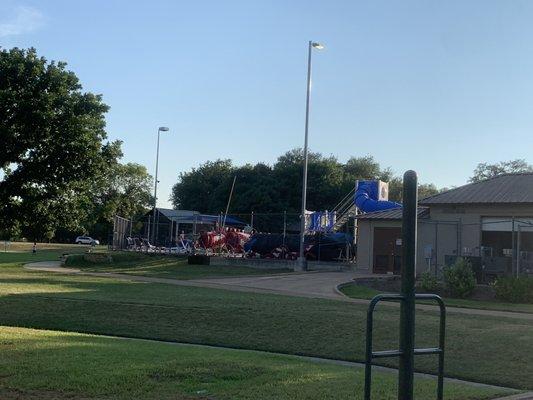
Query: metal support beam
[[407, 297], [407, 309]]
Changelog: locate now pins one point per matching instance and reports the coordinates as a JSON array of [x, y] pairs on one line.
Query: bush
[[459, 278], [74, 260], [428, 282], [128, 256], [514, 290], [99, 258]]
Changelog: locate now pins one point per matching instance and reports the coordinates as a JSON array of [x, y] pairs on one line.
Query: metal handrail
[[370, 354], [348, 196]]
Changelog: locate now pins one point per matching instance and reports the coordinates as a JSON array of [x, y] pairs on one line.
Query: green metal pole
[[407, 310]]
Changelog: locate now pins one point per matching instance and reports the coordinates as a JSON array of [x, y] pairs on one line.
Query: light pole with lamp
[[154, 234], [302, 263]]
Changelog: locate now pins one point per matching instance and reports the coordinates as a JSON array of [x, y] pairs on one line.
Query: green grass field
[[39, 364], [164, 267], [484, 349], [21, 247], [362, 292]]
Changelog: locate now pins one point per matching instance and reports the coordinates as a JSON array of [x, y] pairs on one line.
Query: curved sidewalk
[[308, 284]]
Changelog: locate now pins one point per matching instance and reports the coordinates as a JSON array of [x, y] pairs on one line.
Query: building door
[[387, 250]]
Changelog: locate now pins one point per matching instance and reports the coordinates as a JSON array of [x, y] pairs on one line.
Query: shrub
[[428, 282], [128, 256], [459, 278], [514, 290], [74, 260]]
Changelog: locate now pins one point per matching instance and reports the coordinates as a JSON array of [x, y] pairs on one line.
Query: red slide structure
[[224, 240]]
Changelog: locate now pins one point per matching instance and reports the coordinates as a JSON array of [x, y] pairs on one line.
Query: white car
[[86, 240]]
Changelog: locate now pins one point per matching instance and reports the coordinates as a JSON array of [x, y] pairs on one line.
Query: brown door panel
[[387, 251]]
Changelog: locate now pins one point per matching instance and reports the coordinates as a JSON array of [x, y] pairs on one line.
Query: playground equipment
[[318, 246], [223, 240], [366, 196], [407, 297], [321, 221], [373, 196]]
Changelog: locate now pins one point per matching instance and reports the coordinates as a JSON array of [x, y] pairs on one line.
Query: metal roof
[[170, 213], [502, 189], [191, 217], [392, 214]]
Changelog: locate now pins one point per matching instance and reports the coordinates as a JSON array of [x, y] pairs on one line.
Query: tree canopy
[[485, 171], [277, 188], [55, 159]]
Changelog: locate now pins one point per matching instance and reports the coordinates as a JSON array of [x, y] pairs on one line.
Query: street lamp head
[[317, 46], [163, 128]]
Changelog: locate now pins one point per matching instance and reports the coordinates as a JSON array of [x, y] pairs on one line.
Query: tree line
[[276, 188]]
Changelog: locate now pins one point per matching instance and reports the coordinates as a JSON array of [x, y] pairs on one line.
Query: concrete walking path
[[311, 284]]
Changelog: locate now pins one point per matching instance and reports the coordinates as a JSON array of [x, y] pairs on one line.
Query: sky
[[434, 86]]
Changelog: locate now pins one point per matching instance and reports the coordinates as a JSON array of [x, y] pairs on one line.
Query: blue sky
[[436, 86]]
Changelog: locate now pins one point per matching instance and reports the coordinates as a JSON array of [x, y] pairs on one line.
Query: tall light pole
[[301, 259], [154, 232]]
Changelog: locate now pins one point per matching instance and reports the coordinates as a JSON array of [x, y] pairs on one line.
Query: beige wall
[[448, 231]]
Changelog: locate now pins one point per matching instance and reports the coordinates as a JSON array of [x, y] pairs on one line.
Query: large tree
[[204, 188], [485, 171], [124, 190], [53, 144]]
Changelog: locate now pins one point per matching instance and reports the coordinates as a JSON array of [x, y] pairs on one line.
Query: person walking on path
[[34, 248]]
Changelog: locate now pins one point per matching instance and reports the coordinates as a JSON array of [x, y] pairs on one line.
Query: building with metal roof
[[170, 223], [490, 222], [502, 189]]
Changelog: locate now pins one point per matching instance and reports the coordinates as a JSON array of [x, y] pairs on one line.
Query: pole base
[[301, 265]]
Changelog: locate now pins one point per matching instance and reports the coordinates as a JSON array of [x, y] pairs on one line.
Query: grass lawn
[[164, 267], [39, 364], [23, 253], [60, 247], [484, 349], [363, 292]]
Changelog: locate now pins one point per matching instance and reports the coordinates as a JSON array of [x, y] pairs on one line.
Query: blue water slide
[[367, 195]]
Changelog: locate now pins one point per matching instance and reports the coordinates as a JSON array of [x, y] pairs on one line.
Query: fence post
[[252, 221], [407, 310], [284, 225]]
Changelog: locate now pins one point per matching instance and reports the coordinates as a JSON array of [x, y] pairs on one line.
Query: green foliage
[[74, 260], [123, 190], [428, 282], [59, 173], [459, 278], [273, 189], [53, 147], [277, 188], [514, 290], [486, 171]]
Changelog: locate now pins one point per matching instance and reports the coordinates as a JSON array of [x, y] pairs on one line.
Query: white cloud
[[24, 20]]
